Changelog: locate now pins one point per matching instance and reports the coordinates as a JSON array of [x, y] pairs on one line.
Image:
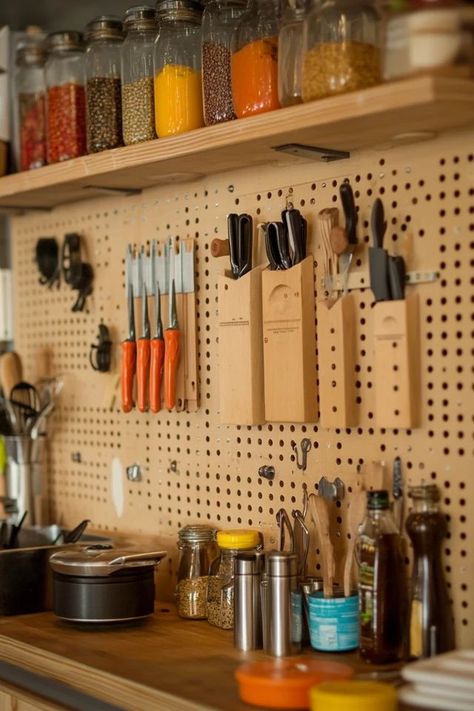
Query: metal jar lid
[[179, 10], [196, 533], [425, 492], [67, 41], [92, 561], [249, 563], [104, 27], [140, 17], [280, 564], [30, 54]]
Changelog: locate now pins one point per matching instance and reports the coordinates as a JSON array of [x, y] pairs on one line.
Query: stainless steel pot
[[104, 585]]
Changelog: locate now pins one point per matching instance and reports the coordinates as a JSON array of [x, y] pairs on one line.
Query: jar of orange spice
[[254, 64]]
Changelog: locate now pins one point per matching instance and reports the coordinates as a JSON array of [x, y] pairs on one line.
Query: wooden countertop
[[165, 663]]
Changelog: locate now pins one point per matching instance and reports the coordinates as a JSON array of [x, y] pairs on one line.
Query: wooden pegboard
[[195, 469]]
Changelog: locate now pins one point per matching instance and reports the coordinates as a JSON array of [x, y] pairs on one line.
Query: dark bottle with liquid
[[383, 597], [431, 620]]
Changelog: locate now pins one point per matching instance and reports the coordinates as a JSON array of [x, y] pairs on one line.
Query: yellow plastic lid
[[239, 539], [353, 696]]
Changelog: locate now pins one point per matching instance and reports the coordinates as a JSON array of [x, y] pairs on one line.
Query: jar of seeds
[[198, 550], [103, 92], [30, 89], [219, 22], [341, 48], [136, 54], [220, 598], [290, 52]]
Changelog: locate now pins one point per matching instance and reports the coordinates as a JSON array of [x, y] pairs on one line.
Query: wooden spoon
[[11, 372], [355, 515], [318, 508]]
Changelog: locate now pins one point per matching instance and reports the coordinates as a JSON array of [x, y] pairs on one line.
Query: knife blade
[[396, 275], [378, 256]]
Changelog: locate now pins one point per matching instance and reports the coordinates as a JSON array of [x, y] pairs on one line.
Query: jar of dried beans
[[30, 88], [66, 96], [103, 92], [197, 552], [219, 23], [290, 52], [341, 48], [178, 90], [254, 63], [220, 598], [138, 110]]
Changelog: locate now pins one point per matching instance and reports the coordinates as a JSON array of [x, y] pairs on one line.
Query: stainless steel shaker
[[282, 605], [247, 605]]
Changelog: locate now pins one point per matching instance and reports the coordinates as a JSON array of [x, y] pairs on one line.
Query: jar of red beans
[[66, 102], [30, 88], [103, 88]]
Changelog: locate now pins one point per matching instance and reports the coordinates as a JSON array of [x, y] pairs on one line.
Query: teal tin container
[[333, 622]]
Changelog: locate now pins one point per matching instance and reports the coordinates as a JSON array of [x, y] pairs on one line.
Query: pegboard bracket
[[361, 280], [301, 150], [113, 191]]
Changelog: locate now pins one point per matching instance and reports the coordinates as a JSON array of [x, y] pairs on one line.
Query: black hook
[[101, 353]]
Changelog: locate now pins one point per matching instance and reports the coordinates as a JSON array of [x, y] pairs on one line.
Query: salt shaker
[[247, 605]]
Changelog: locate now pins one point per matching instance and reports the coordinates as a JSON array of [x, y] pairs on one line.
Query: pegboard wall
[[194, 468]]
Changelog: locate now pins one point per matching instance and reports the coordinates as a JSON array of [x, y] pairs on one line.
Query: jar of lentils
[[31, 104], [220, 598], [138, 111], [219, 22], [66, 96], [341, 48], [103, 92], [198, 550], [178, 82]]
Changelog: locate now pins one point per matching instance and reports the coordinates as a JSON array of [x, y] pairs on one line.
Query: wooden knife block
[[241, 349], [397, 363], [336, 363], [289, 344]]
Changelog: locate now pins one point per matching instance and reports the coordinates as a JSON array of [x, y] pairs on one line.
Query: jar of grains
[[30, 89], [103, 93], [290, 52], [66, 96], [178, 90], [220, 598], [138, 111], [254, 63], [197, 551], [219, 22], [341, 48]]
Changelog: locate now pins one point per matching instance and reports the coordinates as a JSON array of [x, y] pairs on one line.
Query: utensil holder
[[289, 338], [397, 363], [241, 349], [333, 622], [336, 362], [24, 477]]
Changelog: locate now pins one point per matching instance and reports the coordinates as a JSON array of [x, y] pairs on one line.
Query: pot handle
[[123, 560]]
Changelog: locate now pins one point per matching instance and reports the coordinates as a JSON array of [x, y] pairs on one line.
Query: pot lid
[[91, 561]]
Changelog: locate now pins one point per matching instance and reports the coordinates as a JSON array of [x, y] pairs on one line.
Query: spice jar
[[341, 48], [137, 75], [197, 551], [178, 91], [66, 97], [219, 23], [103, 92], [254, 64], [30, 88], [220, 599], [290, 52]]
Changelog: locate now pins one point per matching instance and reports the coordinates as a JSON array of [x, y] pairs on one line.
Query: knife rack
[[336, 362], [397, 363], [289, 344], [241, 349]]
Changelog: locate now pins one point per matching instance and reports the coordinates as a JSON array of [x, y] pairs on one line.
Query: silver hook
[[305, 447]]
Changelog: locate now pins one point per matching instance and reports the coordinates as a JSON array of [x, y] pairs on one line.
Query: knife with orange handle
[[171, 351], [157, 345], [129, 356], [143, 356]]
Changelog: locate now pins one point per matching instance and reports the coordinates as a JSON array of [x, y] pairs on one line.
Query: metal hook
[[305, 499], [305, 447]]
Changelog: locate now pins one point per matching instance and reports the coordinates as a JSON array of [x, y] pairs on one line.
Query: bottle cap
[[425, 492], [353, 696], [238, 539], [196, 533], [105, 27], [378, 500]]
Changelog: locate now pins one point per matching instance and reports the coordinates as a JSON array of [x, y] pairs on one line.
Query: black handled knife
[[378, 256]]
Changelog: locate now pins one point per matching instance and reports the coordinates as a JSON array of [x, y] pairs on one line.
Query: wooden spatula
[[318, 508], [11, 372], [355, 515]]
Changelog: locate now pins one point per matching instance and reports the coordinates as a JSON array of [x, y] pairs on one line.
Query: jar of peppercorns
[[138, 111], [30, 88], [341, 48], [66, 96], [178, 89], [219, 22], [103, 88]]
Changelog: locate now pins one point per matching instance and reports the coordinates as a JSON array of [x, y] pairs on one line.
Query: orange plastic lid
[[285, 683]]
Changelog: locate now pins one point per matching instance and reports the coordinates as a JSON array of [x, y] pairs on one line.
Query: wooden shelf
[[379, 117]]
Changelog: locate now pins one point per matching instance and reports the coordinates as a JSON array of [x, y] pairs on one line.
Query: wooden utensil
[[373, 476], [319, 511], [220, 247], [355, 515], [11, 372], [327, 220]]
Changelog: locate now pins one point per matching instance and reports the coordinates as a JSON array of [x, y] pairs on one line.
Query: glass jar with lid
[[219, 22], [103, 91], [178, 87], [198, 550], [30, 88], [138, 111], [220, 599], [341, 48], [254, 63], [290, 52], [66, 96]]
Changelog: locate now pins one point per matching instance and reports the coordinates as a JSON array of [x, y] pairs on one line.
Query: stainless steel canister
[[282, 605], [247, 603], [24, 485]]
